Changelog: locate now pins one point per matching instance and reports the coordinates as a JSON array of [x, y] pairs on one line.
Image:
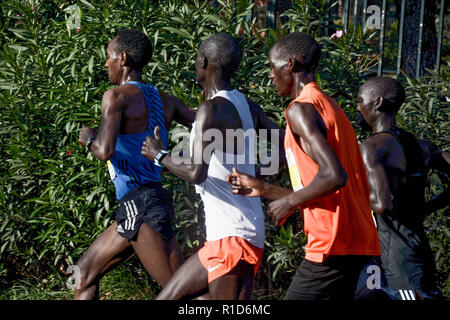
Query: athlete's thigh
[[190, 280], [237, 284], [155, 253], [106, 251]]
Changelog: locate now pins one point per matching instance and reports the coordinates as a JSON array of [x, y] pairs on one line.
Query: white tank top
[[227, 214]]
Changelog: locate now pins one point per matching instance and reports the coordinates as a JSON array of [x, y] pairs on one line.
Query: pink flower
[[78, 30], [337, 35], [69, 152]]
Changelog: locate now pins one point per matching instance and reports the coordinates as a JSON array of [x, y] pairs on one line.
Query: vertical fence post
[[355, 11], [419, 47], [364, 15], [400, 37], [249, 16], [382, 33], [271, 14], [440, 35], [327, 16], [346, 13]]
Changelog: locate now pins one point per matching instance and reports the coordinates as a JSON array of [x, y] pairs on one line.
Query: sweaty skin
[[124, 112], [310, 129], [396, 196], [220, 114], [385, 161]]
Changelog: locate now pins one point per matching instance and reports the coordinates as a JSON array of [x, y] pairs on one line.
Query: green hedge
[[56, 199]]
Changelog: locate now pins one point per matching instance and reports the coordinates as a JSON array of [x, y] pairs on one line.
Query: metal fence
[[271, 17]]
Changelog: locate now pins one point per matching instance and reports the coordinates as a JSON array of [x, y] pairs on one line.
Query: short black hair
[[389, 89], [222, 49], [302, 47], [136, 45]]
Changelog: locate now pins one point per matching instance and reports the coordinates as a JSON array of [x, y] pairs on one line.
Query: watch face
[[160, 155]]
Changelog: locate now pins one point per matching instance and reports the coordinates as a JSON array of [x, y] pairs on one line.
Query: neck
[[130, 75], [215, 84], [383, 122], [301, 79]]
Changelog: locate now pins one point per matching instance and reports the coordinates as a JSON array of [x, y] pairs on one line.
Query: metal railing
[[272, 15]]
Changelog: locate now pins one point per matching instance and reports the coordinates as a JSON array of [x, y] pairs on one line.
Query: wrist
[[292, 200], [159, 157], [264, 189], [89, 142]]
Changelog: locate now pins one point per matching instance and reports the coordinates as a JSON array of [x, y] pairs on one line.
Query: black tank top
[[409, 205]]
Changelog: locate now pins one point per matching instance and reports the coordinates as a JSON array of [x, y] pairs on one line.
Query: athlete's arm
[[181, 113], [103, 146], [438, 160], [197, 170], [380, 192], [308, 126], [263, 122], [249, 186]]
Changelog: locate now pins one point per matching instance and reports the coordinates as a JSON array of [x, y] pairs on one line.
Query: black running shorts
[[334, 279], [148, 203]]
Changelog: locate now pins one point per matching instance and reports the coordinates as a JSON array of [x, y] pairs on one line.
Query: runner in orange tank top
[[327, 175]]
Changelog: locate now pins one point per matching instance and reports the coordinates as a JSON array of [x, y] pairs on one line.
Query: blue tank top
[[130, 168]]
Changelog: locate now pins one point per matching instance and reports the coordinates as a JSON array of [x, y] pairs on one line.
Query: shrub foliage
[[55, 198]]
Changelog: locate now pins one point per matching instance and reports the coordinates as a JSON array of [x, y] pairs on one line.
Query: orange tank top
[[339, 223]]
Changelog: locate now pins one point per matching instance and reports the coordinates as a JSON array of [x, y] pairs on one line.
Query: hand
[[245, 184], [85, 134], [152, 146], [279, 210]]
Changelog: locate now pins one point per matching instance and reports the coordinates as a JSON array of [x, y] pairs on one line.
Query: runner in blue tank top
[[144, 217]]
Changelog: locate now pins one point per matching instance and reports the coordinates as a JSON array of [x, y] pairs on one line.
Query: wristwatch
[[159, 157], [89, 142]]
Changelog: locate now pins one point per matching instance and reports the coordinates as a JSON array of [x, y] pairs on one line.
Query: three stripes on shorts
[[407, 294], [132, 212]]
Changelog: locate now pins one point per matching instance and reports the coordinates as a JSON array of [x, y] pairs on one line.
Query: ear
[[378, 103], [291, 64], [204, 62], [124, 59], [294, 65]]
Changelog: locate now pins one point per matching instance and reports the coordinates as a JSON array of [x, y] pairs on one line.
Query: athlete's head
[[220, 51], [130, 48], [294, 52], [380, 95]]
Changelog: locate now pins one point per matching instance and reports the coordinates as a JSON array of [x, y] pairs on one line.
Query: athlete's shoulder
[[378, 147], [113, 97], [121, 93], [205, 112], [301, 110]]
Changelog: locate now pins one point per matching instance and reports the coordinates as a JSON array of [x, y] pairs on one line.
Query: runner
[[327, 175], [144, 218], [397, 165], [227, 263]]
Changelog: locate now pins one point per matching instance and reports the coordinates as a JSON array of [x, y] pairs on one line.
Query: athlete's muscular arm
[[307, 124], [380, 192], [103, 146], [438, 160], [197, 170], [181, 113], [263, 122]]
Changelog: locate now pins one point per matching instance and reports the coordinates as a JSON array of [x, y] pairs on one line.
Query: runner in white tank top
[[227, 263], [227, 214]]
